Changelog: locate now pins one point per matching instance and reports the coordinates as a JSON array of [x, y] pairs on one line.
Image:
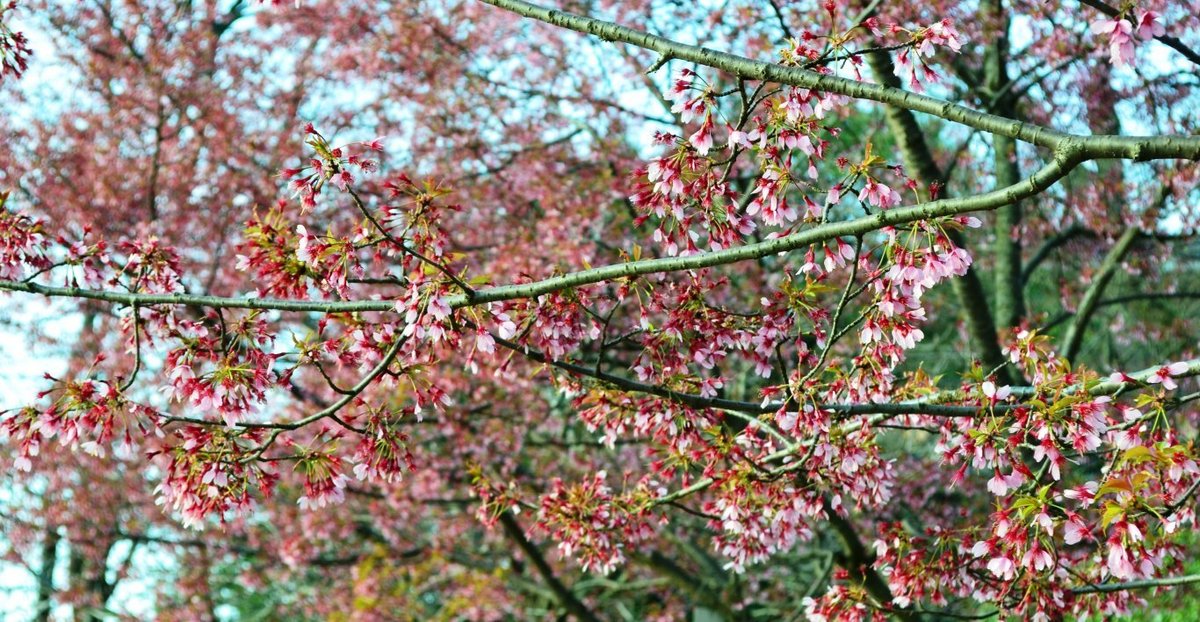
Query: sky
[[26, 356]]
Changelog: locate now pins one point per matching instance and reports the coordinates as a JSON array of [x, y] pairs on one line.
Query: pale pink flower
[[1149, 26], [1165, 373], [1120, 39]]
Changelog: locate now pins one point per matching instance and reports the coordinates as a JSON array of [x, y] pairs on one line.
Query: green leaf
[[1112, 512], [1137, 455]]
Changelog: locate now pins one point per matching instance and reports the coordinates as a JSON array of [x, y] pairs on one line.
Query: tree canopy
[[490, 310]]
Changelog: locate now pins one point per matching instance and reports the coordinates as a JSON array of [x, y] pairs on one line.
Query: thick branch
[[1043, 179], [1137, 585], [918, 160], [857, 561], [564, 594], [1009, 291], [1074, 335]]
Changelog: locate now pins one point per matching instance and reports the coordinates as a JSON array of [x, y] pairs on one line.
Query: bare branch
[[561, 591], [1100, 588]]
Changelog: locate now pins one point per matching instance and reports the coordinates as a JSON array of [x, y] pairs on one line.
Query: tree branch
[[760, 408], [1073, 338], [561, 591], [1049, 246], [1136, 148], [1008, 289], [919, 160], [1101, 588], [1041, 180], [1107, 387]]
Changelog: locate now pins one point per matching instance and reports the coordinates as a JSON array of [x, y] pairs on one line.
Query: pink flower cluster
[[331, 260], [324, 483], [419, 218], [1120, 31], [758, 519], [206, 372], [590, 524], [555, 324], [151, 266], [382, 454], [196, 485], [14, 47], [691, 196], [83, 414], [891, 326], [22, 244], [924, 41], [268, 252], [330, 164]]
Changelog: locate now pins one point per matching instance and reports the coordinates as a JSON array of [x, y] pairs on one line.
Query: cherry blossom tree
[[483, 309]]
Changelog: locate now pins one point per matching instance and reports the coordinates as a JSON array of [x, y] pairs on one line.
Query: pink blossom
[[834, 196], [994, 393], [1149, 26], [302, 252], [505, 326], [939, 33], [702, 140], [484, 341], [983, 547], [998, 485], [1075, 530], [878, 195], [1120, 40], [738, 138], [1037, 558], [1165, 374], [1002, 567], [439, 308], [1120, 378], [1118, 563]]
